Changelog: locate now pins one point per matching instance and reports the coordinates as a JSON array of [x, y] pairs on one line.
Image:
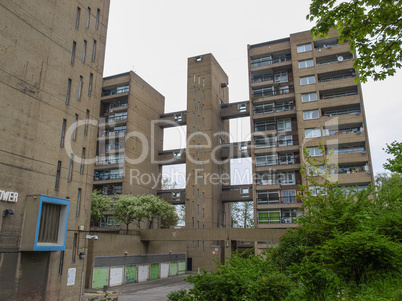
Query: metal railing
[[108, 177], [337, 77], [115, 91], [267, 61], [279, 108], [339, 94], [259, 94]]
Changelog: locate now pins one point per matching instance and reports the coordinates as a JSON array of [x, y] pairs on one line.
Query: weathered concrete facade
[[51, 68]]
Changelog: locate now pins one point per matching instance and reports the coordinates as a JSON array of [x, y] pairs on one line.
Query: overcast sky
[[155, 38]]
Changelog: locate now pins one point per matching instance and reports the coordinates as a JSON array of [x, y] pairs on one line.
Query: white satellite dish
[[340, 58]]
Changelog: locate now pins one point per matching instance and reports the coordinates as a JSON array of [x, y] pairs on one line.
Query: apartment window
[[82, 160], [84, 50], [314, 151], [97, 18], [285, 140], [288, 196], [304, 48], [271, 216], [77, 18], [74, 251], [91, 78], [75, 127], [312, 133], [284, 125], [73, 53], [288, 178], [70, 168], [63, 132], [307, 80], [268, 197], [77, 210], [86, 123], [306, 64], [58, 171], [88, 17], [281, 77], [79, 88], [312, 114], [266, 160], [68, 91], [307, 97], [94, 51]]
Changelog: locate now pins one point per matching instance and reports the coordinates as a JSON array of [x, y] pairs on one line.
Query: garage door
[[131, 274], [164, 270], [143, 272], [116, 276], [182, 267], [173, 269], [100, 277], [154, 271]]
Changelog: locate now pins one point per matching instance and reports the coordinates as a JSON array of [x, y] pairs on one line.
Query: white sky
[[155, 38]]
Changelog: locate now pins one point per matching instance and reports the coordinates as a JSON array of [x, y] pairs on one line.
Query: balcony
[[111, 133], [336, 76], [235, 110], [118, 90], [173, 196], [269, 60], [108, 177], [112, 161], [173, 119]]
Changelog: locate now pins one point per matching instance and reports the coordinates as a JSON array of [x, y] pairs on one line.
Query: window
[[285, 140], [68, 91], [307, 80], [307, 97], [244, 191], [266, 160], [73, 53], [242, 108], [284, 125], [77, 18], [88, 17], [70, 168], [63, 132], [94, 51], [84, 50], [286, 159], [74, 251], [306, 64], [311, 133], [75, 127], [97, 18], [79, 88], [58, 171], [86, 123], [314, 151], [82, 160], [313, 114], [288, 178], [271, 216], [91, 78], [288, 196], [304, 48], [77, 210], [281, 77], [268, 197]]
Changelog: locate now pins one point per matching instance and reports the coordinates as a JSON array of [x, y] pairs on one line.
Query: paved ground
[[155, 290]]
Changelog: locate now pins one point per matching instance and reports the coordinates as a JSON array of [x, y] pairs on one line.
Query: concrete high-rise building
[[303, 93], [51, 68]]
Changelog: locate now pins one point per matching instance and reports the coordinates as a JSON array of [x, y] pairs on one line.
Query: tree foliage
[[348, 246], [99, 205], [242, 215], [394, 164], [373, 29]]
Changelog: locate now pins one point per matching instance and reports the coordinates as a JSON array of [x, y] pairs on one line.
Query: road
[[155, 290]]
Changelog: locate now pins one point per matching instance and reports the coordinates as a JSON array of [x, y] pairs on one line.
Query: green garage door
[[100, 277], [173, 269], [131, 274], [154, 271], [182, 267]]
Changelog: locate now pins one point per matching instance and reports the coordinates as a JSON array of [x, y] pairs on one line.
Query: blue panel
[[52, 200]]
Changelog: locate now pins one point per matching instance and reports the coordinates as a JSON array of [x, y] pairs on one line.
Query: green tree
[[128, 209], [394, 164], [156, 208], [99, 205], [373, 29]]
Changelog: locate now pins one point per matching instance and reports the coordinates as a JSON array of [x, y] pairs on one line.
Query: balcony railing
[[272, 109], [334, 61], [110, 161], [284, 200], [111, 133], [350, 150], [270, 144], [337, 77], [264, 127], [115, 91], [262, 78], [339, 94], [342, 112], [108, 177], [259, 94], [269, 61], [355, 130]]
